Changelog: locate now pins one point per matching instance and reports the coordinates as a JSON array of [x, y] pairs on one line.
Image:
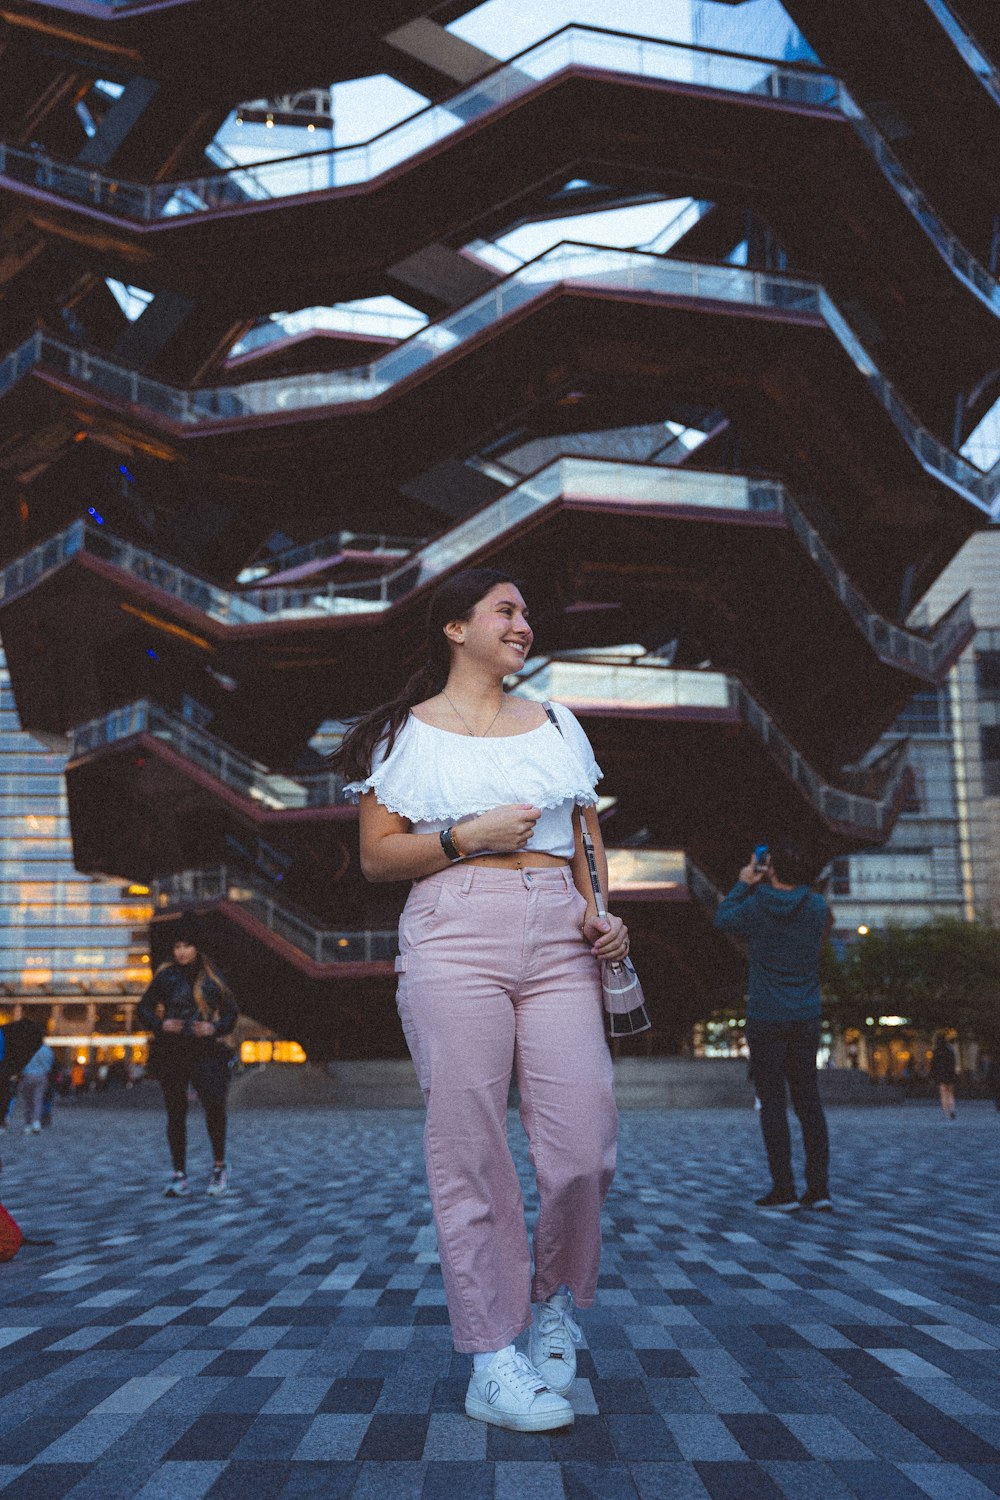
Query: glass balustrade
[[645, 870], [615, 685], [239, 889], [649, 686], [576, 478], [573, 46], [707, 895], [646, 873], [351, 322], [967, 47], [583, 266], [349, 166], [378, 544], [272, 790]]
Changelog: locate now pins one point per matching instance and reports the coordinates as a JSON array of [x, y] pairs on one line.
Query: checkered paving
[[291, 1340]]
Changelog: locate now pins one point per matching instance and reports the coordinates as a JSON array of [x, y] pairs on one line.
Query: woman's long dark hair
[[206, 970], [455, 599]]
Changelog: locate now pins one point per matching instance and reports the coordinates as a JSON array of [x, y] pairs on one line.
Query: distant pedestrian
[[34, 1082], [942, 1071], [784, 924], [190, 1012], [19, 1041]]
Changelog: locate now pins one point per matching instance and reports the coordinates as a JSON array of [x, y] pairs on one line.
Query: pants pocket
[[578, 905], [421, 914]]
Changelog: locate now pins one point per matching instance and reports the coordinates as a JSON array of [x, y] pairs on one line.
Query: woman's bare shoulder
[[526, 712], [432, 711]]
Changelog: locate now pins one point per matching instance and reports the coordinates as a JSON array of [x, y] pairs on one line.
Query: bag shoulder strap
[[588, 842], [555, 720]]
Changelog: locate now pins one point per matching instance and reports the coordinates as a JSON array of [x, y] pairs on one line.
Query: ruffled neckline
[[427, 787]]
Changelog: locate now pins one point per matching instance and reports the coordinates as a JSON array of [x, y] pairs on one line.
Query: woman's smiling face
[[497, 634]]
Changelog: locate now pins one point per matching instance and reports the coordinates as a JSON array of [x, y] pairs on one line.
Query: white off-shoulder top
[[435, 778]]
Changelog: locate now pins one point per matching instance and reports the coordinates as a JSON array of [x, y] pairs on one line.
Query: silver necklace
[[465, 721]]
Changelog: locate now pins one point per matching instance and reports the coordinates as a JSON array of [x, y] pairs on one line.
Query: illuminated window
[[288, 1052], [252, 1053]]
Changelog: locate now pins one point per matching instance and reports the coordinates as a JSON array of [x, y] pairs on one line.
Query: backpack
[[11, 1238]]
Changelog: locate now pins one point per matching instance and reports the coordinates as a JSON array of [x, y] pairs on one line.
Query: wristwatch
[[449, 845]]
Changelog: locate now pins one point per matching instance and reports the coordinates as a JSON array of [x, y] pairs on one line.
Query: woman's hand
[[203, 1028], [608, 936], [502, 830], [173, 1026]]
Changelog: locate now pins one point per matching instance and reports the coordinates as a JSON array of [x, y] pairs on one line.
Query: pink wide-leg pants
[[495, 975]]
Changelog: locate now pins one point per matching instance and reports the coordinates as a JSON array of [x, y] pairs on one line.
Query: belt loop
[[467, 879], [567, 875]]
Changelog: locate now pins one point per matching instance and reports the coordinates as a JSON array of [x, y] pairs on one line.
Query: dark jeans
[[205, 1066], [784, 1053]]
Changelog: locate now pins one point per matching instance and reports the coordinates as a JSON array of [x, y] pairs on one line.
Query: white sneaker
[[551, 1342], [218, 1183], [177, 1187], [509, 1392]]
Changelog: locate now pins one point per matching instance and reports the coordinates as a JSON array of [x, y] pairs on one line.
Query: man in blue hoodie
[[784, 925]]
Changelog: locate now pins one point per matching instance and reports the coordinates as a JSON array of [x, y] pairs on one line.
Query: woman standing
[[470, 793], [943, 1070], [189, 1011]]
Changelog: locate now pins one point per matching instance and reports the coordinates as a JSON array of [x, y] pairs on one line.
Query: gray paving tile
[[668, 1482], [945, 1482], [514, 1481]]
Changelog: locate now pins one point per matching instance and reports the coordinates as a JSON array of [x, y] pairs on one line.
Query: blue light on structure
[[153, 655], [123, 469], [92, 512]]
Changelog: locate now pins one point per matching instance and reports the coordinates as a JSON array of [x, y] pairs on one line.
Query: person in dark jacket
[[19, 1041], [942, 1071], [784, 924], [190, 1012]]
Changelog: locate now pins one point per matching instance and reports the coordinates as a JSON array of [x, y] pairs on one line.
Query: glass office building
[[72, 947], [974, 699], [943, 857], [917, 874]]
